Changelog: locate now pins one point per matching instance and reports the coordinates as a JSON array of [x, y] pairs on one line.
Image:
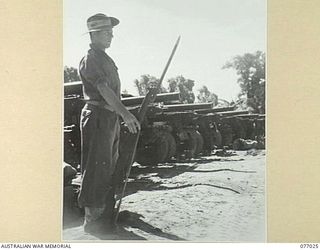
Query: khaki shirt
[[98, 68]]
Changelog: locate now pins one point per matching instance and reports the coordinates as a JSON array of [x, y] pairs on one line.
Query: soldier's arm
[[90, 70], [110, 97]]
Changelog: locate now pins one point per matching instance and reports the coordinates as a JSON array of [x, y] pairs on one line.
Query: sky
[[212, 33]]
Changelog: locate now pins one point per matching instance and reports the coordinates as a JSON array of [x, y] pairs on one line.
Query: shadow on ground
[[120, 234], [131, 219], [128, 222]]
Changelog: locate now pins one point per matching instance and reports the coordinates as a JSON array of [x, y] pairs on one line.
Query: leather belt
[[100, 105]]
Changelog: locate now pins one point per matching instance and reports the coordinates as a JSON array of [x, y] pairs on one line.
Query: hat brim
[[114, 22]]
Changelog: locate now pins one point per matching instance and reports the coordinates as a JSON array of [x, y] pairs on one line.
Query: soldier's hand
[[131, 121]]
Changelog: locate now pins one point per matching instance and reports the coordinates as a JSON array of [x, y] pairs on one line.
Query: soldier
[[99, 125]]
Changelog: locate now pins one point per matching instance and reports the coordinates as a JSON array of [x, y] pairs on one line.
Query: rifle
[[131, 140]]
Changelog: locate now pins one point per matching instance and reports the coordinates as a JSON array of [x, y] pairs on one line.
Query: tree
[[251, 71], [206, 96], [184, 86], [70, 74], [144, 83]]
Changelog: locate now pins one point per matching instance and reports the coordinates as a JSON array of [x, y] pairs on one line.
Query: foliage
[[176, 84], [145, 82], [184, 86], [251, 71], [70, 74], [206, 96]]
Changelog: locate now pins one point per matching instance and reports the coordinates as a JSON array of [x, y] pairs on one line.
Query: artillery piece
[[208, 128], [169, 129], [254, 125], [220, 127], [73, 103], [193, 133], [72, 150], [73, 88], [188, 141], [243, 126]]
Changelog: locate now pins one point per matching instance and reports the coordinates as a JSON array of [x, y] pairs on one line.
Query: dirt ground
[[210, 199]]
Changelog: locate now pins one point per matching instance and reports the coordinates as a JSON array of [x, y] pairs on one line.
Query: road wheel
[[172, 145], [153, 153], [199, 143], [217, 138], [191, 144]]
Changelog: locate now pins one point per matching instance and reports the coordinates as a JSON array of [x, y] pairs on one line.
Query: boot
[[96, 223]]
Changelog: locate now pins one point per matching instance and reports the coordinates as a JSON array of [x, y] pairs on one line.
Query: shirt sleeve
[[90, 71]]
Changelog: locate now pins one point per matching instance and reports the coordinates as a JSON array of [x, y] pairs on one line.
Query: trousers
[[100, 130]]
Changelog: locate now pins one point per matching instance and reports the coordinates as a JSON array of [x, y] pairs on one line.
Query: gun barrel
[[75, 88], [230, 114], [163, 97], [185, 107], [214, 110], [248, 116]]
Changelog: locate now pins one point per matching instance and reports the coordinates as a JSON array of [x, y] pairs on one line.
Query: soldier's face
[[103, 37]]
